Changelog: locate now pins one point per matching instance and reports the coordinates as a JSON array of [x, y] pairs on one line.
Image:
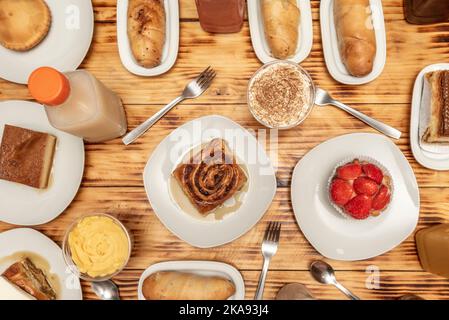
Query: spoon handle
[[345, 291], [379, 126]]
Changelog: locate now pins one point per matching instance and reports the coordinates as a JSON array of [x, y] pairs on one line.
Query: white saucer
[[260, 45], [431, 160], [31, 241], [203, 268], [64, 47], [332, 56], [165, 158], [26, 206], [334, 236], [170, 52]]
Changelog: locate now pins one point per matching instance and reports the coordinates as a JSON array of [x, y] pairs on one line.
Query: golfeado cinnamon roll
[[210, 177]]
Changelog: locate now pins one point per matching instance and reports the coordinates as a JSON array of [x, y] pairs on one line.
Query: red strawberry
[[359, 207], [373, 172], [341, 191], [350, 171], [381, 199], [364, 185]]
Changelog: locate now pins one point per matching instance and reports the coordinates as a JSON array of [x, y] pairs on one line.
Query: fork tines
[[273, 232], [205, 78]]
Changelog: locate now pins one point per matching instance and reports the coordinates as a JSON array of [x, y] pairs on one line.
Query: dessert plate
[[436, 160], [330, 44], [64, 47], [171, 46], [260, 45], [203, 268], [26, 206], [261, 182], [334, 236], [25, 241]]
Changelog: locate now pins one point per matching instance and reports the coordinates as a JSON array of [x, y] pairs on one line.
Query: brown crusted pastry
[[146, 31], [31, 279], [281, 21], [356, 38], [211, 176], [172, 285], [23, 23], [438, 129], [26, 156]]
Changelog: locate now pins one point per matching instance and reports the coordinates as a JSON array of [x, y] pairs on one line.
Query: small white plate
[[330, 44], [331, 234], [431, 160], [170, 51], [64, 47], [169, 153], [203, 268], [260, 45], [29, 240], [26, 206]]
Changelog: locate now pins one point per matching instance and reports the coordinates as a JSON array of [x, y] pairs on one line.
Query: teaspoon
[[106, 290], [323, 273]]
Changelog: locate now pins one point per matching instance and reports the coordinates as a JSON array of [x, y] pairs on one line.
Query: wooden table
[[113, 174]]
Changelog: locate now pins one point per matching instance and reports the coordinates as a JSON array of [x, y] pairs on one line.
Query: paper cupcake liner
[[385, 171]]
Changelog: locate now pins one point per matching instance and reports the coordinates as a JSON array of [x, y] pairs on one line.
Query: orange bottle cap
[[49, 86]]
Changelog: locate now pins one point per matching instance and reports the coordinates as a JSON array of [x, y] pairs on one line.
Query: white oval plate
[[26, 206], [29, 240], [203, 268], [167, 155], [330, 44], [331, 234], [434, 161], [259, 41], [64, 47], [170, 51]]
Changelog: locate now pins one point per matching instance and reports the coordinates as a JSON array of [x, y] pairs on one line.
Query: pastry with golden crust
[[438, 129], [146, 31], [23, 23], [211, 176], [30, 279]]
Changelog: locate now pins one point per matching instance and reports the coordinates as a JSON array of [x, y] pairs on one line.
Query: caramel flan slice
[[26, 156]]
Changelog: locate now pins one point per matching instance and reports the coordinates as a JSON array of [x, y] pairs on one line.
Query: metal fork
[[269, 249], [192, 90], [323, 98]]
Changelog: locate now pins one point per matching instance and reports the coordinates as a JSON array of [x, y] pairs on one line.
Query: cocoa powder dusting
[[280, 95]]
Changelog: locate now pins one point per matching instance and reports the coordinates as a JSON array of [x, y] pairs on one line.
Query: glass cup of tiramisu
[[281, 94]]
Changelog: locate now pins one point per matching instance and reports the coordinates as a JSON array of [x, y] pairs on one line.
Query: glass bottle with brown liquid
[[426, 11]]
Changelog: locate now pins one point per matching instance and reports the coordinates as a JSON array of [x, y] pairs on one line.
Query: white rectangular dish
[[332, 56], [171, 46], [204, 268], [259, 42], [429, 156]]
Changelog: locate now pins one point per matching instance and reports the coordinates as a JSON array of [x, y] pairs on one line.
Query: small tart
[[23, 23]]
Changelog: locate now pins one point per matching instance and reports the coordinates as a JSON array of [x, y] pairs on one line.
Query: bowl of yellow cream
[[97, 247]]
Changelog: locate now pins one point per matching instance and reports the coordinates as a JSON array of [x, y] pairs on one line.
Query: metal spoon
[[323, 273], [323, 98], [106, 290]]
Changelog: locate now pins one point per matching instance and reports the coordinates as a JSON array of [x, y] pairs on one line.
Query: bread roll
[[172, 285], [281, 21], [146, 31], [356, 37]]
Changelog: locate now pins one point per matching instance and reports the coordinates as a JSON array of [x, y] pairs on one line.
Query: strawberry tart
[[360, 189]]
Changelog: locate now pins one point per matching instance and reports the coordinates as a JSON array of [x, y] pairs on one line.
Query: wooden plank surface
[[113, 175]]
